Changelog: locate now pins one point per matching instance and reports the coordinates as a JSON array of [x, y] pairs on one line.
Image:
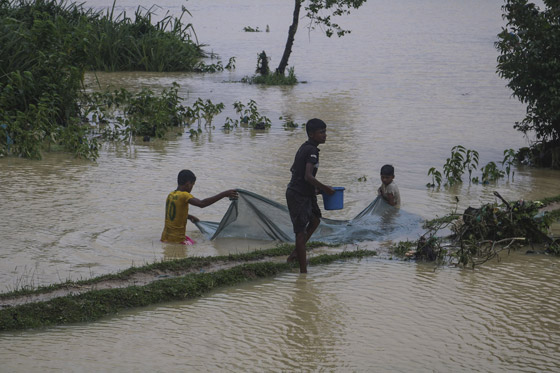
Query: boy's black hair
[[387, 170], [313, 125], [185, 176]]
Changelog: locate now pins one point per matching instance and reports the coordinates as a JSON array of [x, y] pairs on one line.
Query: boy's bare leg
[[292, 256], [312, 226], [301, 239]]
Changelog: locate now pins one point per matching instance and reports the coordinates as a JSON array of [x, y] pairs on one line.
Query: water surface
[[412, 80]]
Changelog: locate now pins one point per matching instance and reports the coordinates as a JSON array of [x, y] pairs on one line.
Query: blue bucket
[[336, 201]]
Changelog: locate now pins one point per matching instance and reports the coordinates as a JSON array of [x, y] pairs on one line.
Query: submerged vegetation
[[120, 115], [466, 160], [273, 78], [481, 234], [266, 77], [249, 116]]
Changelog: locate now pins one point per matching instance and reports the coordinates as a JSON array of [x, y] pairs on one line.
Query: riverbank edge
[[192, 277]]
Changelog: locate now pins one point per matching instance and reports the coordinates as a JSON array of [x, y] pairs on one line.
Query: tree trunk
[[290, 42]]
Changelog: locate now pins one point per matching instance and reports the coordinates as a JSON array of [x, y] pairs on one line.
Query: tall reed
[[46, 47]]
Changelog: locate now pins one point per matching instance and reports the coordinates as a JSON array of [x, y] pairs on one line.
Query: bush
[[529, 48]]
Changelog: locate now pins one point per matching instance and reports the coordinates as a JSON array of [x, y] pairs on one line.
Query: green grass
[[549, 200], [48, 45], [173, 265], [273, 79], [95, 304]]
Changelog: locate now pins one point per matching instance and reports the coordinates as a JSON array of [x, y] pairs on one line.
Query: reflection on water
[[353, 316], [411, 81]]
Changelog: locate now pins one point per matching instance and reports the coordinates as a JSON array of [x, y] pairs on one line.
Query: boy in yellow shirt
[[177, 208]]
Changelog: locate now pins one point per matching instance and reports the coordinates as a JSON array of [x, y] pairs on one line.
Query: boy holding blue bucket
[[301, 193]]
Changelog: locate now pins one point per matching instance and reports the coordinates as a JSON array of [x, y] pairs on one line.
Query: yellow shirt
[[176, 214]]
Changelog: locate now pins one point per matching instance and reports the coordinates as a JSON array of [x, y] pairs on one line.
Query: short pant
[[302, 209]]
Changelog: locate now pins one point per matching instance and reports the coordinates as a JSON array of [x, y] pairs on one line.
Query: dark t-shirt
[[307, 153]]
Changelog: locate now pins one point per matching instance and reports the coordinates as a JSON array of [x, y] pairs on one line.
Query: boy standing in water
[[302, 190], [177, 208], [388, 189]]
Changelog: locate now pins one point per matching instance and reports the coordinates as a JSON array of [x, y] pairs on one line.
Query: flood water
[[412, 80]]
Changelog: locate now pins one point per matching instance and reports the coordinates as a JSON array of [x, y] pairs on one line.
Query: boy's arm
[[232, 193], [313, 181], [390, 198]]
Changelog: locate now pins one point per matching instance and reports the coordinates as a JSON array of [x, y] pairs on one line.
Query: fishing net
[[255, 217]]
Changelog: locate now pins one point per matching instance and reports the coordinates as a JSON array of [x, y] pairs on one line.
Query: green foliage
[[231, 64], [529, 47], [118, 42], [362, 178], [496, 222], [402, 248], [433, 223], [202, 67], [463, 159], [436, 177], [47, 45], [249, 116], [549, 200], [251, 29], [486, 231], [321, 13], [510, 158], [289, 124], [204, 110], [194, 133], [262, 64], [480, 234], [41, 67], [491, 172], [120, 114], [273, 79]]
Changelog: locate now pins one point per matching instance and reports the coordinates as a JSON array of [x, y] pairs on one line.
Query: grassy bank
[[95, 304], [181, 265], [48, 45]]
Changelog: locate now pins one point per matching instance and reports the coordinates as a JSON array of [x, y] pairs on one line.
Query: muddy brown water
[[412, 80]]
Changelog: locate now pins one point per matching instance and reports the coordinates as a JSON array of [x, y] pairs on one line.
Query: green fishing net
[[255, 217]]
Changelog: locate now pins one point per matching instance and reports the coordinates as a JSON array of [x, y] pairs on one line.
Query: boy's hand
[[379, 192], [194, 219], [232, 194], [328, 190]]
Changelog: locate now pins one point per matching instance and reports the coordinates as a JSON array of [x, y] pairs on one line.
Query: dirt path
[[137, 279]]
